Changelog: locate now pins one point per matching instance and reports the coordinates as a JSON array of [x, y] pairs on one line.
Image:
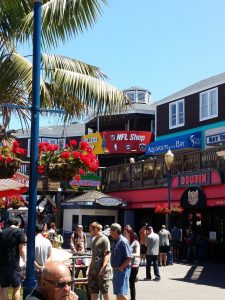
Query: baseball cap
[[79, 226], [115, 227]]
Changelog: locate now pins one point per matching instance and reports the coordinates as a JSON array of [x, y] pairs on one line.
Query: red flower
[[81, 172], [84, 145], [65, 154], [8, 160], [77, 177], [15, 144], [1, 157], [41, 169], [73, 143], [76, 154]]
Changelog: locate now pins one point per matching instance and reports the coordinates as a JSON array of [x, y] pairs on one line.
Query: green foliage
[[66, 83]]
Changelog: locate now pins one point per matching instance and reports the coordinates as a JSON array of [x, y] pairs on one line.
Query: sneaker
[[157, 279], [147, 278]]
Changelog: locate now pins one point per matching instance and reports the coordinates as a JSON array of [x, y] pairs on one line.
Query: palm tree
[[66, 83]]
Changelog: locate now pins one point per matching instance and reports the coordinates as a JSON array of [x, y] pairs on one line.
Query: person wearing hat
[[152, 243], [121, 255], [78, 245], [78, 241]]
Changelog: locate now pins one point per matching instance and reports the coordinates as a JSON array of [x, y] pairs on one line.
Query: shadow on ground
[[206, 274]]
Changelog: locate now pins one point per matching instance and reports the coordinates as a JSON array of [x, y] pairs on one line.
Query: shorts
[[143, 249], [96, 283], [121, 281], [10, 276], [164, 249]]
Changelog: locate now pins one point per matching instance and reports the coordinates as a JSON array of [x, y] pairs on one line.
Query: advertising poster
[[118, 142]]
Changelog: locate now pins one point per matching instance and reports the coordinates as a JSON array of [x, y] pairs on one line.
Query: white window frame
[[141, 92], [177, 117], [135, 97], [210, 115]]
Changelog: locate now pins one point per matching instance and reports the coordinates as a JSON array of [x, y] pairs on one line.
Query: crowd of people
[[113, 249]]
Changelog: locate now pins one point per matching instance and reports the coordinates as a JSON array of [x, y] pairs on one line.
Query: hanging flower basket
[[176, 210], [162, 209], [10, 159], [67, 163], [61, 171], [8, 169], [16, 202]]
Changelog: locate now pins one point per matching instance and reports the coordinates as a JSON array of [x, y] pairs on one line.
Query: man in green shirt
[[99, 269]]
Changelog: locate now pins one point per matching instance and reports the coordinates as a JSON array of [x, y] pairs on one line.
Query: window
[[131, 96], [176, 114], [141, 97], [208, 104]]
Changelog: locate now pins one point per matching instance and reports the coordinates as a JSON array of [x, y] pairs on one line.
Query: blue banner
[[187, 141]]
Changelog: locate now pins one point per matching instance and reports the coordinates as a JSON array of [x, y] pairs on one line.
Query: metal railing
[[153, 172]]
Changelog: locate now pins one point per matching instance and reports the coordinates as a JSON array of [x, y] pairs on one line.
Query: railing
[[153, 172]]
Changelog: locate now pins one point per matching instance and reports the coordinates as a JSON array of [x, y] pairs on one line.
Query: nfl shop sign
[[117, 142]]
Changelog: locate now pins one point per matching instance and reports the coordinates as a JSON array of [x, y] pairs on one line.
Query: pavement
[[182, 282]]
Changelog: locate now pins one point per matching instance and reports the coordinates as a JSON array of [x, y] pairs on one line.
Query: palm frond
[[52, 62], [89, 92], [61, 19]]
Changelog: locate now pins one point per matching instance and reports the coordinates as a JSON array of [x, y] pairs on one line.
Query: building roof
[[135, 108], [57, 131], [136, 88], [194, 88]]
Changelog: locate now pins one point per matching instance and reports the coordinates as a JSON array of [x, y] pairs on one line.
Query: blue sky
[[160, 45]]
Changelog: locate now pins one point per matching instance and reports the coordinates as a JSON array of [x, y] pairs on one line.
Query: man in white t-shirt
[[152, 243], [43, 252]]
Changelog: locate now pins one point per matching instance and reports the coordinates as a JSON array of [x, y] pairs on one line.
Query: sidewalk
[[183, 282]]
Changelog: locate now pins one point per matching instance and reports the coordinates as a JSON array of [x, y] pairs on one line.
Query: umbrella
[[57, 254], [16, 185]]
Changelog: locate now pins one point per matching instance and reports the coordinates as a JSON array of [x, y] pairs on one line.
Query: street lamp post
[[30, 282], [169, 158]]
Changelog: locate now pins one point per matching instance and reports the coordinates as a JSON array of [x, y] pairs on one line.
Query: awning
[[186, 141], [95, 197]]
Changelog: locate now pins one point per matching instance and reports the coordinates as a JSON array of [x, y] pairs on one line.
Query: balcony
[[153, 172]]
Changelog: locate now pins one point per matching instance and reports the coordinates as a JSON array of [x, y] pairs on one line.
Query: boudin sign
[[196, 178]]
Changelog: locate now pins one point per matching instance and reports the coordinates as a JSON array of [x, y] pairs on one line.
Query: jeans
[[152, 259], [132, 281]]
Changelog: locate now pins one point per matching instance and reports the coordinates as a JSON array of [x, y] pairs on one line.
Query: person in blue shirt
[[121, 255]]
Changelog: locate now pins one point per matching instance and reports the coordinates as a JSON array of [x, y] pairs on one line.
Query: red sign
[[126, 141], [195, 178]]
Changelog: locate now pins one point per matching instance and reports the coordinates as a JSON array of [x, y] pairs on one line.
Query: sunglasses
[[61, 285]]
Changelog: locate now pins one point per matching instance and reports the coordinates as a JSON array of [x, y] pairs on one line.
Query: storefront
[[200, 193], [89, 207]]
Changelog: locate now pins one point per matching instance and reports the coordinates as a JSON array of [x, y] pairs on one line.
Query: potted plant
[[66, 163], [10, 154], [16, 202]]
